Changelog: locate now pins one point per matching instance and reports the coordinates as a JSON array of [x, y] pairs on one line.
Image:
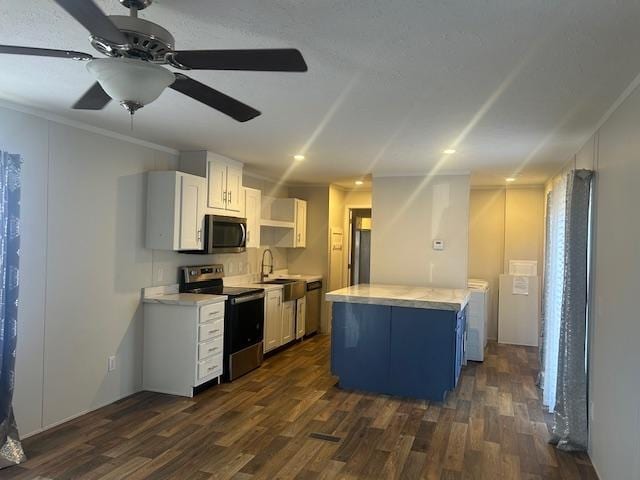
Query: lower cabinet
[[283, 321], [409, 352], [272, 320], [182, 346], [301, 313], [288, 321]]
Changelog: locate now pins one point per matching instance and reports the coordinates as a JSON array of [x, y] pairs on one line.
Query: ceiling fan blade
[[94, 99], [93, 19], [44, 52], [265, 60], [213, 98]]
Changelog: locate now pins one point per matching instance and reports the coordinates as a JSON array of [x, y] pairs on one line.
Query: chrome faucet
[[262, 265]]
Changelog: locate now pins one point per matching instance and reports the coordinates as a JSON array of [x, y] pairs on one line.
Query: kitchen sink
[[292, 289]]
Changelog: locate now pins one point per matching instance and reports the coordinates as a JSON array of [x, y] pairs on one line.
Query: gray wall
[[83, 265], [408, 214]]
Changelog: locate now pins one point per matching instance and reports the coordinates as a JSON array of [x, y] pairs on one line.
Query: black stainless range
[[243, 317]]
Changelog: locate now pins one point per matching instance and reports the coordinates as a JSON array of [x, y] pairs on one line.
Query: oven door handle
[[247, 298]]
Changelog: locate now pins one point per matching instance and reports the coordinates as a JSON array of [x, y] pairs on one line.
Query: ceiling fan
[[135, 48]]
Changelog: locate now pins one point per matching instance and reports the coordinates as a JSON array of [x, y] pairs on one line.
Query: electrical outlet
[[112, 363]]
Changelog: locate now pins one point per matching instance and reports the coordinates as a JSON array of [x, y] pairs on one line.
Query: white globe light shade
[[129, 80]]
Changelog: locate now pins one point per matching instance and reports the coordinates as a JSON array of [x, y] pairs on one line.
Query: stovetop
[[222, 290]]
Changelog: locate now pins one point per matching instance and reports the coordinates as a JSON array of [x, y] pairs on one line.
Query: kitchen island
[[398, 340]]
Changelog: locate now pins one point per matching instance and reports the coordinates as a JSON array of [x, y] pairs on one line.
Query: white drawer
[[213, 347], [210, 366], [211, 312], [209, 330]]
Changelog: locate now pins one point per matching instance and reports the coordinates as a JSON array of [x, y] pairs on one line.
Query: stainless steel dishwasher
[[314, 306]]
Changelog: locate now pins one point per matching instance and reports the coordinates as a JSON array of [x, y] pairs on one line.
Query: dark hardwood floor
[[289, 420]]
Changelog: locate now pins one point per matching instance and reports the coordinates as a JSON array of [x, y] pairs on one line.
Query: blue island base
[[408, 352]]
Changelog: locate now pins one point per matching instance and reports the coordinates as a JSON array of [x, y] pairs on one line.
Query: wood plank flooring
[[261, 426]]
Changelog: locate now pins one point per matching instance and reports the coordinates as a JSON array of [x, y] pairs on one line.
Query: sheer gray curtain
[[570, 429], [10, 449]]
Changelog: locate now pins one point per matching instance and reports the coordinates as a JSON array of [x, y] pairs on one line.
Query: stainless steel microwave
[[223, 235]]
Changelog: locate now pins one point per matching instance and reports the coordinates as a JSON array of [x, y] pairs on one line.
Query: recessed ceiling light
[[298, 157], [510, 179], [449, 151], [359, 182]]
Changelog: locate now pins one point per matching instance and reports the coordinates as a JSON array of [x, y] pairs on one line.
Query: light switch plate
[[438, 244]]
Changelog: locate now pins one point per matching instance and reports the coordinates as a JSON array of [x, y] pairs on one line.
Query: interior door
[[234, 186], [191, 213], [360, 247], [217, 184]]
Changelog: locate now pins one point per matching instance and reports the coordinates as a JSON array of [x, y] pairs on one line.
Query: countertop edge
[[395, 302]]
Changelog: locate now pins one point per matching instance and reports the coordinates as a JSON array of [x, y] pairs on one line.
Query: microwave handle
[[244, 233]]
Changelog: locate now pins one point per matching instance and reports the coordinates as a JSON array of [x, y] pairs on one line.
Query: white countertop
[[169, 295], [402, 296], [185, 299], [299, 276]]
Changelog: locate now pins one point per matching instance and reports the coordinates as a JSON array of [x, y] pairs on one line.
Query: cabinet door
[[191, 212], [301, 310], [217, 184], [253, 207], [273, 320], [288, 321], [234, 188], [301, 224]]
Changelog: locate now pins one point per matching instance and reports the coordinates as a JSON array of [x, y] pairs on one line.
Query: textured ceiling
[[515, 86]]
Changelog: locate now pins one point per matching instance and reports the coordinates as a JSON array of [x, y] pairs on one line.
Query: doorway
[[360, 245]]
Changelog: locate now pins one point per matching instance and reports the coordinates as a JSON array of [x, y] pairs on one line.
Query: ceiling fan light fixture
[[132, 83]]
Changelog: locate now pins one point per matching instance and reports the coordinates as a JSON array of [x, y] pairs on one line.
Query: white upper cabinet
[[301, 223], [252, 206], [175, 211], [217, 172], [284, 222], [224, 180], [234, 189]]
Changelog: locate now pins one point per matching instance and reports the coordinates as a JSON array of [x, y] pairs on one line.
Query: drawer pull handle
[[211, 332], [210, 369], [212, 349]]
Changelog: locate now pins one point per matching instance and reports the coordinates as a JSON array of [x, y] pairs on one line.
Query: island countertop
[[402, 296]]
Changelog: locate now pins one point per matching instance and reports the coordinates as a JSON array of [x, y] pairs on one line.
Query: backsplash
[[166, 263]]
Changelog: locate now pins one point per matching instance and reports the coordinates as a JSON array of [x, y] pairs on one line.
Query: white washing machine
[[477, 318]]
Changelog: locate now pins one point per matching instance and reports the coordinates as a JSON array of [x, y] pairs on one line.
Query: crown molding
[[52, 117]]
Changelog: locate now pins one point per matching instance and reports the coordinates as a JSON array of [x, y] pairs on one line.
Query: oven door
[[245, 322], [225, 234]]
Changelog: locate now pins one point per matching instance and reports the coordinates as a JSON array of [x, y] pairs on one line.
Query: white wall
[[410, 212], [83, 265], [614, 153]]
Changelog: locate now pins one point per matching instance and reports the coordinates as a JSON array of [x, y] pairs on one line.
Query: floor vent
[[325, 437]]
